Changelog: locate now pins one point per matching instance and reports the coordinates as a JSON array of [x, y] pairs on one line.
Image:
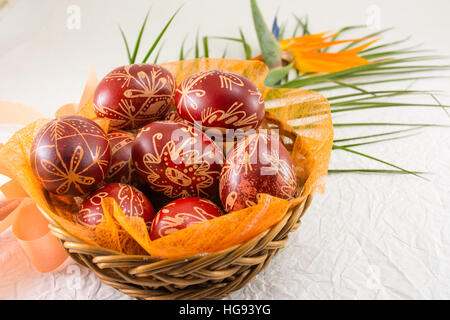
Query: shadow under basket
[[203, 276]]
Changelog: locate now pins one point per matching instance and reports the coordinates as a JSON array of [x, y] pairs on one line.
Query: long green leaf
[[269, 46], [297, 26], [365, 83], [342, 31], [376, 105], [397, 124], [126, 44], [303, 25], [354, 43], [348, 85], [379, 171], [155, 43], [376, 135], [376, 159], [346, 29], [393, 73], [224, 54], [375, 141], [138, 40], [438, 102], [197, 46], [158, 54], [182, 49], [386, 45], [276, 75], [361, 99], [247, 48], [327, 78], [205, 47], [377, 94], [357, 71], [282, 30], [383, 54]]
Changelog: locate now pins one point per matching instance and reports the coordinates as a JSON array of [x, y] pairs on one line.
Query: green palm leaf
[[138, 41], [378, 171], [376, 159], [126, 45], [158, 38]]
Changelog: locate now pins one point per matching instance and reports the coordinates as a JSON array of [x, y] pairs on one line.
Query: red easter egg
[[122, 168], [220, 99], [257, 164], [178, 160], [217, 138], [134, 95], [70, 155], [182, 213], [132, 202]]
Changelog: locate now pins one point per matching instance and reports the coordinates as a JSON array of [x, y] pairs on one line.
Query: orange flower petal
[[305, 51], [313, 42], [326, 62]]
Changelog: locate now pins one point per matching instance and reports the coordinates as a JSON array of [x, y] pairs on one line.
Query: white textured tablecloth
[[368, 236]]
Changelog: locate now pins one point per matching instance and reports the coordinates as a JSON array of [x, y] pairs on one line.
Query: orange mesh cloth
[[309, 111]]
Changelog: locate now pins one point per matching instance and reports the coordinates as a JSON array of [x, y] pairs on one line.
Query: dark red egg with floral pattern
[[70, 155], [258, 164], [132, 202], [122, 168], [134, 95], [182, 213], [177, 160], [220, 99]]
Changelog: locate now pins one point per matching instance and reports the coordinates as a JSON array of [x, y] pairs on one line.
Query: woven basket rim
[[177, 274], [209, 275], [59, 231]]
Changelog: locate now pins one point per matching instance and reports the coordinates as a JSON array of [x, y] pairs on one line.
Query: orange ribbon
[[18, 210]]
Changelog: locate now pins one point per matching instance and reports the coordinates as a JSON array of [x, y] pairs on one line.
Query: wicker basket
[[203, 276]]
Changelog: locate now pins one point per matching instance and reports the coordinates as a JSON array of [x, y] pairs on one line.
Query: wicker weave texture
[[204, 276]]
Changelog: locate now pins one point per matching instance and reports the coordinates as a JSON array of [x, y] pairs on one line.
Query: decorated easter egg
[[132, 202], [177, 160], [70, 155], [220, 99], [182, 213], [258, 164], [122, 168], [134, 95]]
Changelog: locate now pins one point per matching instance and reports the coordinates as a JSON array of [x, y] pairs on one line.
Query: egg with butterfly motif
[[178, 160], [70, 156], [258, 164], [132, 202], [220, 99], [182, 213], [134, 95]]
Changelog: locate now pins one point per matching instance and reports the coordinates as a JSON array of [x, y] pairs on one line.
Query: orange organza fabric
[[308, 111]]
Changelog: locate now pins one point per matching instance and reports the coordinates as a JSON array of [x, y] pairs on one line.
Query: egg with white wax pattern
[[258, 164]]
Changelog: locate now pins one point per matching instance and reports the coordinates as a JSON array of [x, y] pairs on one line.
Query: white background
[[367, 237]]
